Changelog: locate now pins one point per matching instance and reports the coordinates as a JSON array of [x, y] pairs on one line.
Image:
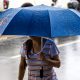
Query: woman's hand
[[55, 62], [42, 56]]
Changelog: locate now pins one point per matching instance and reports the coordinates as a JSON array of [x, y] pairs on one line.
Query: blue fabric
[[40, 21], [6, 17]]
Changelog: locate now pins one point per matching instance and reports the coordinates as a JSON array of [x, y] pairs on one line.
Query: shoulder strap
[[44, 41]]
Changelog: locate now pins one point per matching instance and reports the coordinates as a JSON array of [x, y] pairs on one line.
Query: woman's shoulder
[[50, 41]]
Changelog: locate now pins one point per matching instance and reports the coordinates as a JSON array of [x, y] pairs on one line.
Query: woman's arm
[[22, 68], [54, 62]]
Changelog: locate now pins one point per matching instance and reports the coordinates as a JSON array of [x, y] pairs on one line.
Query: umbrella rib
[[11, 14], [49, 22], [75, 11]]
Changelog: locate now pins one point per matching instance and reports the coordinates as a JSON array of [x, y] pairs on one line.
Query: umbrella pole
[[41, 43]]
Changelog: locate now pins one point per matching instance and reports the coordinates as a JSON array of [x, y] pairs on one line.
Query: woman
[[40, 55]]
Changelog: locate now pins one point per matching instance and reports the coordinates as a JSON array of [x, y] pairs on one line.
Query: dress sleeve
[[53, 49], [50, 48]]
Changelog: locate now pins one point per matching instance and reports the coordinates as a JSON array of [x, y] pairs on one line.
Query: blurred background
[[57, 3], [69, 46]]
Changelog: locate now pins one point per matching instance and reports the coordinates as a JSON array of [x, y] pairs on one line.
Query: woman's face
[[35, 38]]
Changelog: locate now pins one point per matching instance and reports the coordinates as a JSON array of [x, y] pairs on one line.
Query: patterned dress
[[35, 64]]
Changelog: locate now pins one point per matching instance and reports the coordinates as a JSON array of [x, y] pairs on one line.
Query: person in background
[[6, 4], [40, 55], [26, 4], [78, 5], [74, 5], [54, 2]]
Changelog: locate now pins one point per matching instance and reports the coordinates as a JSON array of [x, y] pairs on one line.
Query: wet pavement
[[69, 54]]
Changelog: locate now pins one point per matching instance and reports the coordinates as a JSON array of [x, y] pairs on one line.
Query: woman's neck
[[36, 46]]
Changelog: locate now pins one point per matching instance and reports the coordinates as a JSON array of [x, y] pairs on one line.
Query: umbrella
[[40, 20]]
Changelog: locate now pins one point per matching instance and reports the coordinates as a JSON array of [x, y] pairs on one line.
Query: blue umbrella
[[40, 21]]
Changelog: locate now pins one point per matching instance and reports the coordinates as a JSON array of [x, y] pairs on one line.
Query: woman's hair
[[27, 4], [28, 46]]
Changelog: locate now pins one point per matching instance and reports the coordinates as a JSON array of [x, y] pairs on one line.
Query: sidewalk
[[2, 38]]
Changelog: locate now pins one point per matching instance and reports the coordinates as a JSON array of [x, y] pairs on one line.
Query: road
[[69, 54]]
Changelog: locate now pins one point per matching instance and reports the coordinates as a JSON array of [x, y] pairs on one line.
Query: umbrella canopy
[[40, 21]]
